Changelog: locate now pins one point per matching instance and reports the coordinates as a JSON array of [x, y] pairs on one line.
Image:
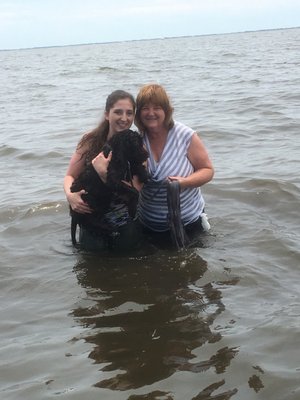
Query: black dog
[[128, 158]]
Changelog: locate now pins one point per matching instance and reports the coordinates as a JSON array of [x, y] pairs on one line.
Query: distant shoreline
[[150, 39]]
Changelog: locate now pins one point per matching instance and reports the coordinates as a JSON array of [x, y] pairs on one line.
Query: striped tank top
[[153, 208]]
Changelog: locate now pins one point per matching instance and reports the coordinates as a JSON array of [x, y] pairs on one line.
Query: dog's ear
[[106, 149]]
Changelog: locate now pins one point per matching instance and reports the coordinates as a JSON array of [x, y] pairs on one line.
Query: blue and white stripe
[[153, 209]]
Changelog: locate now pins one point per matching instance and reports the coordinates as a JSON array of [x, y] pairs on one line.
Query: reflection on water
[[146, 315]]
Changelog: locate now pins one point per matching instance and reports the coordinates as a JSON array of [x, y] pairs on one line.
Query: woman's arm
[[76, 166], [136, 183], [198, 156]]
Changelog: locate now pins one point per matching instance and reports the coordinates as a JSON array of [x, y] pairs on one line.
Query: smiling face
[[120, 116], [152, 116], [153, 107]]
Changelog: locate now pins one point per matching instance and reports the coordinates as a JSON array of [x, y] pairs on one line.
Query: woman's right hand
[[77, 204]]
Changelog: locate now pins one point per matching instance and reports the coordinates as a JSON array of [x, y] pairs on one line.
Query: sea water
[[219, 321]]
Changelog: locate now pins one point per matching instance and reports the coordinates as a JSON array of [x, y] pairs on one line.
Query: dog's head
[[127, 149], [128, 145]]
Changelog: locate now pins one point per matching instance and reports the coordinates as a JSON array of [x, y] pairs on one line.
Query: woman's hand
[[135, 182], [179, 179], [77, 204], [100, 163]]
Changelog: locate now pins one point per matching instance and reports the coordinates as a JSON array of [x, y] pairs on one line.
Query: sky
[[42, 23]]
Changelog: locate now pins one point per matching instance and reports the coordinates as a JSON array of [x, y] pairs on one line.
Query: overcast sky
[[39, 23]]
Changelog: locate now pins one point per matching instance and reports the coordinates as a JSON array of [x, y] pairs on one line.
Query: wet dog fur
[[128, 159]]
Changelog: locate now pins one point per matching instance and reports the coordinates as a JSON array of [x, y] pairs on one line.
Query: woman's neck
[[110, 135], [157, 133], [157, 140]]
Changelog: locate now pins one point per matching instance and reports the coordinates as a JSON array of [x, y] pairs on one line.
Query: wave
[[46, 208], [108, 69], [29, 155], [287, 191], [7, 150], [21, 154], [36, 85], [10, 214]]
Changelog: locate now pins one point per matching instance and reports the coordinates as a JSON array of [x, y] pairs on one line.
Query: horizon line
[[147, 39]]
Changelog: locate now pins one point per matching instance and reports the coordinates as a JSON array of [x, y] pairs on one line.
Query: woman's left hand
[[135, 183], [100, 163], [179, 179]]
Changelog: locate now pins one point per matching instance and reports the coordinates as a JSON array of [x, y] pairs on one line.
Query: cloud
[[93, 9], [169, 7], [53, 22]]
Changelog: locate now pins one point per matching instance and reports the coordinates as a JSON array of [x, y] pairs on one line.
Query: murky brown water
[[220, 321]]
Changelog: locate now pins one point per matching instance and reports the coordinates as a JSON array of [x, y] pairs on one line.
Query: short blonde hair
[[155, 94]]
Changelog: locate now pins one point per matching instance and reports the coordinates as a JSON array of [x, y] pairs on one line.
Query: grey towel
[[177, 230]]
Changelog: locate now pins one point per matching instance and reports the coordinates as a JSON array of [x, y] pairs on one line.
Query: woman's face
[[120, 116], [152, 116]]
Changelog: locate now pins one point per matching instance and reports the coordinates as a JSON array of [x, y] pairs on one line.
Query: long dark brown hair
[[93, 141]]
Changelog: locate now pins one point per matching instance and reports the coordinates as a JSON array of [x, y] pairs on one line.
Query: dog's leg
[[74, 224]]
